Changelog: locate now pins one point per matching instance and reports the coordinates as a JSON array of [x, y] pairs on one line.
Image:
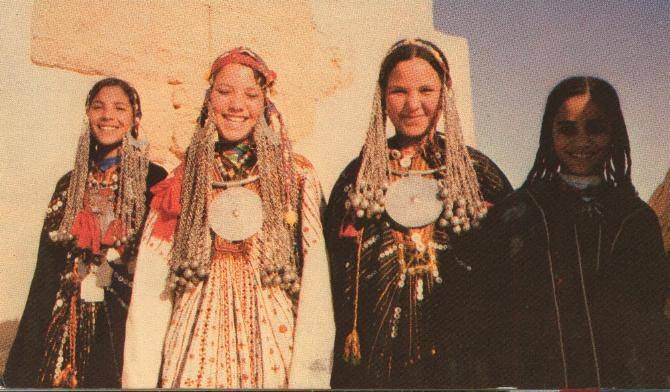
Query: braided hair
[[617, 169]]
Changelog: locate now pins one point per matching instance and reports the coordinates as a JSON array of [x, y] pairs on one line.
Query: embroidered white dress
[[230, 332]]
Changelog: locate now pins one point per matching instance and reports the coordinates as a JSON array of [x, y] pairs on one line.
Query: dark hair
[[129, 90], [204, 110], [404, 50], [604, 96]]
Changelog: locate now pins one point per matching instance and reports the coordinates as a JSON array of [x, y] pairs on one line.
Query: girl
[[582, 276], [72, 330], [236, 233], [402, 297]]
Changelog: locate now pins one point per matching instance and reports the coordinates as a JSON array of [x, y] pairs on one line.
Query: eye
[[121, 108], [596, 127], [566, 128], [397, 90], [253, 95], [223, 91], [426, 90]]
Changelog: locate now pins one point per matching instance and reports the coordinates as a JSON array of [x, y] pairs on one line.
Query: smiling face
[[581, 136], [110, 115], [236, 102], [412, 97]]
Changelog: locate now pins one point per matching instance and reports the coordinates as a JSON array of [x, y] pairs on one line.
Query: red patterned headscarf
[[244, 56]]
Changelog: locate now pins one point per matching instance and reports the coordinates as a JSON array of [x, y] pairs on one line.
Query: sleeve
[[492, 181], [315, 327], [652, 282], [149, 311], [341, 249], [488, 250], [25, 356]]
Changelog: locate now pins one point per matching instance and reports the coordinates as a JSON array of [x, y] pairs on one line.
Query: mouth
[[235, 119], [413, 119], [581, 155], [108, 128]]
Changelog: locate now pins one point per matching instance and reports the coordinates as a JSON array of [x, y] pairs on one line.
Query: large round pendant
[[413, 201], [236, 214]]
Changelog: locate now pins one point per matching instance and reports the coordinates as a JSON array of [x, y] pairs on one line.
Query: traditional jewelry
[[236, 214], [413, 201]]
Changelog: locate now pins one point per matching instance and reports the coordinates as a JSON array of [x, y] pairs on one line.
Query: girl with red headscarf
[[232, 286]]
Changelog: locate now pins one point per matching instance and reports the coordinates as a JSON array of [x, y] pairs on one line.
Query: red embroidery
[[167, 203]]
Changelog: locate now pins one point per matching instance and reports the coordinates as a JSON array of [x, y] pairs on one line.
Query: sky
[[520, 49]]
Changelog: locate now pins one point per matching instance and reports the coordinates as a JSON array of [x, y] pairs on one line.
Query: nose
[[235, 104], [583, 138], [107, 113], [413, 102]]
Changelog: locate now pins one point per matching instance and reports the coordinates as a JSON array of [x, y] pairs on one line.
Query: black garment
[[577, 284], [29, 350], [440, 351]]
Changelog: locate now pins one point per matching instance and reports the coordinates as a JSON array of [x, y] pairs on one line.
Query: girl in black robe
[[72, 330], [406, 306], [578, 275]]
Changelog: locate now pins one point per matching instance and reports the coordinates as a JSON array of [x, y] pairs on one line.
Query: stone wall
[[326, 54]]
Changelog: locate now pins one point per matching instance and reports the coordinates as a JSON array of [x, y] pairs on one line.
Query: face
[[413, 97], [110, 115], [236, 102], [581, 135]]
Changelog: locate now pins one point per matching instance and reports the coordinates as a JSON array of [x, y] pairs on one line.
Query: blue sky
[[520, 49]]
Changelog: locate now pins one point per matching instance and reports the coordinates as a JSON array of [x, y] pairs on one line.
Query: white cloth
[[292, 352]]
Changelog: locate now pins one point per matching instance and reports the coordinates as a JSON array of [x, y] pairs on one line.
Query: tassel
[[352, 345], [67, 378], [352, 349], [87, 231], [115, 232]]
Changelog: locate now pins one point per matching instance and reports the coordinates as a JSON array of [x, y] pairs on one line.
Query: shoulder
[[302, 165], [492, 181], [515, 207], [64, 182], [155, 174], [350, 171]]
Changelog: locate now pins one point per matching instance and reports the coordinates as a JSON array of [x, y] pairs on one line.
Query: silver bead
[[188, 273], [360, 213], [202, 272], [442, 222]]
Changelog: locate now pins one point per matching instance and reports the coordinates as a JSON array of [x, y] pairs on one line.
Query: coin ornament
[[236, 214], [413, 201]]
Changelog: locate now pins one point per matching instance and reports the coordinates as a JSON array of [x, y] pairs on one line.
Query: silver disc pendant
[[236, 214], [413, 201]]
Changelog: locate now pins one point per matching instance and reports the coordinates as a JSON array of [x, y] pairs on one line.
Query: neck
[[581, 182], [411, 145], [106, 152]]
